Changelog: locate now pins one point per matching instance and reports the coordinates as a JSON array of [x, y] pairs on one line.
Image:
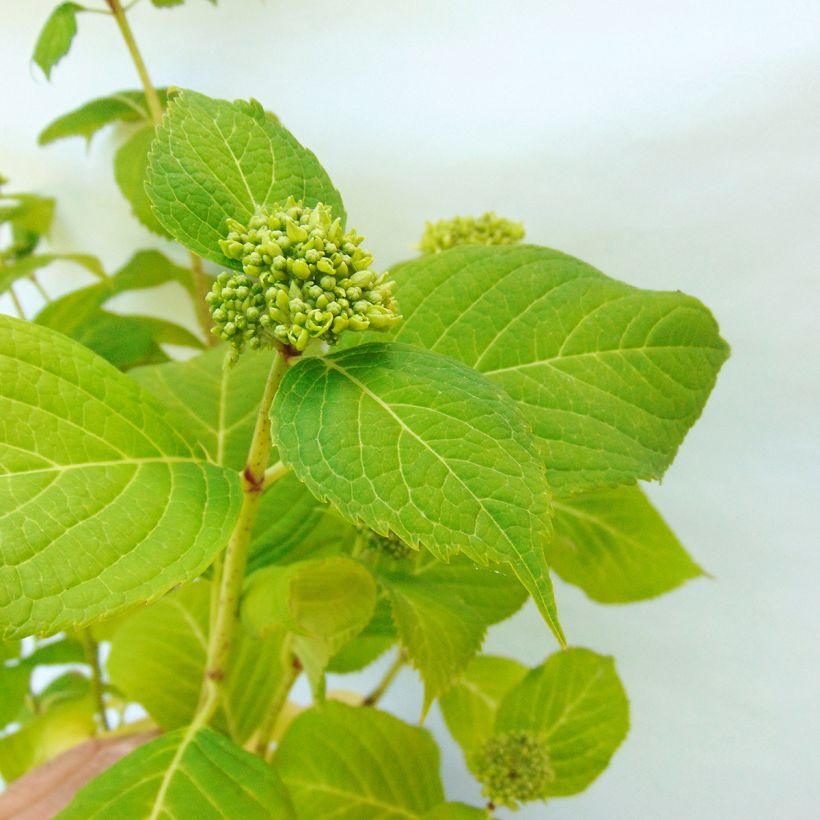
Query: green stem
[[17, 306], [236, 553], [264, 746], [274, 473], [40, 289], [92, 658], [376, 695]]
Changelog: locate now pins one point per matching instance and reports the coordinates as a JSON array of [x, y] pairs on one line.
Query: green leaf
[[186, 773], [103, 502], [442, 612], [214, 159], [456, 811], [323, 603], [10, 650], [354, 763], [66, 650], [125, 341], [85, 121], [56, 37], [374, 640], [469, 708], [10, 272], [577, 704], [616, 547], [609, 377], [130, 167], [31, 212], [217, 405], [158, 656], [413, 442], [14, 682]]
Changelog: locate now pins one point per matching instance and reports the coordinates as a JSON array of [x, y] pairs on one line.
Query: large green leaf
[[130, 167], [216, 404], [214, 160], [416, 443], [469, 708], [85, 121], [358, 763], [442, 612], [576, 704], [158, 655], [609, 377], [614, 545], [103, 503], [184, 774], [56, 37], [125, 341]]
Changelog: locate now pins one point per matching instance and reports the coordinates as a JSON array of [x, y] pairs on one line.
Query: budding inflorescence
[[390, 545], [514, 766], [487, 229], [303, 278]]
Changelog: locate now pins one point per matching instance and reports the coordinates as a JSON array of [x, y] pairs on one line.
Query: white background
[[671, 144]]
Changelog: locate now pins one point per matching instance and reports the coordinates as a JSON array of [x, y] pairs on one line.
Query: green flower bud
[[390, 545], [487, 229], [514, 766]]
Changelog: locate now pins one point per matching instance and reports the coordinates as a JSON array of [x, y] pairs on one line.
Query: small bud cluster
[[307, 278], [514, 766], [487, 229], [390, 545]]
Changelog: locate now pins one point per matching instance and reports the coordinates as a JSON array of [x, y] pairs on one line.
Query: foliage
[[270, 507]]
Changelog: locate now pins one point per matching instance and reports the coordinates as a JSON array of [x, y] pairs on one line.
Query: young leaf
[[616, 547], [323, 603], [85, 121], [157, 659], [130, 167], [609, 377], [349, 762], [14, 682], [417, 444], [442, 612], [10, 272], [576, 704], [56, 37], [217, 405], [214, 160], [94, 469], [469, 707], [374, 640], [187, 773]]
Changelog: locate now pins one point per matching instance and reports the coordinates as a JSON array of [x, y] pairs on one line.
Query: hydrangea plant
[[354, 462]]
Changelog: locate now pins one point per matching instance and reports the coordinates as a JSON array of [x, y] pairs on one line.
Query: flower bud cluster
[[314, 280], [514, 766], [487, 229], [239, 311], [389, 545]]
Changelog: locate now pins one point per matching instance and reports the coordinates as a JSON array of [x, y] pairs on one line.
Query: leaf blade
[[56, 37]]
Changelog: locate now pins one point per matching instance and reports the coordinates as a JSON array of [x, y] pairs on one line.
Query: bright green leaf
[[616, 547], [65, 650], [455, 811], [608, 376], [442, 612], [103, 502], [85, 121], [576, 703], [415, 443], [130, 166], [10, 650], [11, 271], [469, 708], [374, 640], [56, 37], [14, 682], [355, 764], [184, 774], [215, 159]]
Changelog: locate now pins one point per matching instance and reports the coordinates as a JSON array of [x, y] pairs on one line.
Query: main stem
[[92, 658], [236, 553], [155, 109]]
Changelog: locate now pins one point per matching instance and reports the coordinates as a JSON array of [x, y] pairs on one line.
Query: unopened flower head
[[390, 545], [314, 278], [514, 767], [487, 229]]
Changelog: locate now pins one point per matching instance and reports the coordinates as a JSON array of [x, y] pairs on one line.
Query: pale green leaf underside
[[157, 659], [102, 502], [576, 702], [609, 377], [469, 708], [130, 166], [356, 764], [179, 775], [615, 545], [442, 612], [214, 160], [216, 405], [416, 443]]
